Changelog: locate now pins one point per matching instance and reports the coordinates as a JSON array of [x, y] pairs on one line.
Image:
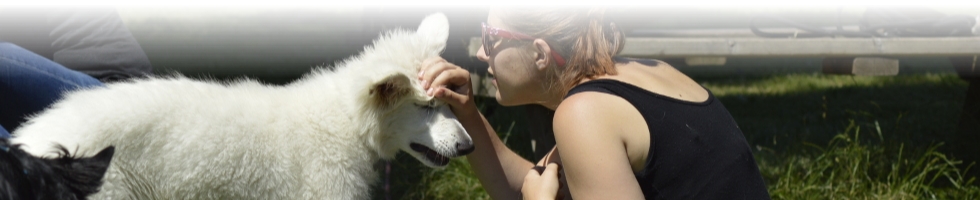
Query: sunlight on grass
[[800, 83], [852, 168], [457, 181]]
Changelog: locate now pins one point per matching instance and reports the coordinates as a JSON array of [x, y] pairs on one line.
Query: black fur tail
[[23, 176]]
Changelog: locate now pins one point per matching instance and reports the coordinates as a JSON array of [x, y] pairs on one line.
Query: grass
[[814, 136], [849, 168]]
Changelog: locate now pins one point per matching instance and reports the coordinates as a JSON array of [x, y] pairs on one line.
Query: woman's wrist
[[468, 112]]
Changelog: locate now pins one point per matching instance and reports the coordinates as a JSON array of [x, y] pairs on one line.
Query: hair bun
[[616, 38], [596, 14]]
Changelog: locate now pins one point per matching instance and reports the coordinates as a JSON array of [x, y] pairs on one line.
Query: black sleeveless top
[[696, 149]]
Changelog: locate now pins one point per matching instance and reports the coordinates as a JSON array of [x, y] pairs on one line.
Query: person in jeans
[[46, 51]]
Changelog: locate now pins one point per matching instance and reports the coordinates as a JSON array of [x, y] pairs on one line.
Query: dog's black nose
[[464, 148]]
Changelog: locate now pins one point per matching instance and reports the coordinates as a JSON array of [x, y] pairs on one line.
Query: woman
[[624, 128]]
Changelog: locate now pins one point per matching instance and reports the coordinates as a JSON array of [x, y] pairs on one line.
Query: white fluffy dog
[[316, 138]]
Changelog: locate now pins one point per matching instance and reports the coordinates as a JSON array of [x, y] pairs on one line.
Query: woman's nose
[[482, 55]]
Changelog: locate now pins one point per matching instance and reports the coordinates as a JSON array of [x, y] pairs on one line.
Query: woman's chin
[[503, 101], [509, 100], [499, 98]]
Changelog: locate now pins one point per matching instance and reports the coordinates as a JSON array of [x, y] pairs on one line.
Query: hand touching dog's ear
[[447, 82]]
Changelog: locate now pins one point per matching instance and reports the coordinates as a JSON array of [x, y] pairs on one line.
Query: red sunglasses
[[492, 31]]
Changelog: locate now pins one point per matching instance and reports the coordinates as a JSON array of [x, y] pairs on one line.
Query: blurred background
[[282, 42]]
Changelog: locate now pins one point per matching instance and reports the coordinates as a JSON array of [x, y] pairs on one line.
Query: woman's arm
[[589, 134], [500, 170]]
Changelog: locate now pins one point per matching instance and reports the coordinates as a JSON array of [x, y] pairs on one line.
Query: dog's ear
[[102, 159], [86, 174], [435, 30], [387, 92]]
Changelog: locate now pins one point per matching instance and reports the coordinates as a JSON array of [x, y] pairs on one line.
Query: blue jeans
[[30, 83]]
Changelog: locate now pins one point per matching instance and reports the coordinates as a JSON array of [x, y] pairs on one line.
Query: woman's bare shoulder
[[661, 78], [591, 109]]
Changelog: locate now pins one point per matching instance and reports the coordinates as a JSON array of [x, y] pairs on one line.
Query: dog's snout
[[464, 148]]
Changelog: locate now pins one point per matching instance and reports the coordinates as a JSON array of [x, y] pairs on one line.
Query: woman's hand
[[449, 83], [543, 185]]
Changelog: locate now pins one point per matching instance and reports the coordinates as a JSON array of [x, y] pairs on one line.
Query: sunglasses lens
[[486, 41], [486, 46]]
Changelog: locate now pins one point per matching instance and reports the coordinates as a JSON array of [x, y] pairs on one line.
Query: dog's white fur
[[316, 138]]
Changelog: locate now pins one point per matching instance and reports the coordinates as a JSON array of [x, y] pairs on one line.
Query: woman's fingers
[[452, 86], [532, 175], [426, 63], [431, 68], [451, 78], [447, 82], [540, 184], [551, 184], [551, 170], [437, 73]]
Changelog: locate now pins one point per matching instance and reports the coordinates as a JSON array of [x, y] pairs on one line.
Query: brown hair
[[580, 35]]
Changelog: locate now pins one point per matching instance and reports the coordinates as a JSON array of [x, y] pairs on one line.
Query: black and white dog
[[23, 176]]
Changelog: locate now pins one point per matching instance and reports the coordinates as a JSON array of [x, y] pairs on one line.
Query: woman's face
[[517, 78]]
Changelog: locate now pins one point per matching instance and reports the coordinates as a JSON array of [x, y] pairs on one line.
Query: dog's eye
[[427, 105]]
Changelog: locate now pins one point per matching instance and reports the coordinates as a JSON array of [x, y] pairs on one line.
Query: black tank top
[[696, 149]]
